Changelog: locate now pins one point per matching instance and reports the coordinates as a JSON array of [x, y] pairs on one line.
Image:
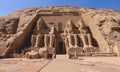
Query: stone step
[[61, 56]]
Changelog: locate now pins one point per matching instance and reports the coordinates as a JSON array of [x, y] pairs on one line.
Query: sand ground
[[83, 64], [22, 65], [99, 64], [61, 64]]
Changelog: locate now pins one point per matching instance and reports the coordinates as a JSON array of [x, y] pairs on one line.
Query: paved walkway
[[61, 64]]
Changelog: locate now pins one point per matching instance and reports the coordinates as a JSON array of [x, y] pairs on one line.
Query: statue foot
[[90, 46], [86, 46]]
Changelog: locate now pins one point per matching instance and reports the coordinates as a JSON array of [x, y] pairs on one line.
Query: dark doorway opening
[[61, 48]]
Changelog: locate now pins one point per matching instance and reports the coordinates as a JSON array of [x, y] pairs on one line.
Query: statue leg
[[45, 41], [67, 48], [33, 40], [52, 40], [76, 40], [54, 53], [84, 40], [70, 40], [37, 44], [89, 40], [66, 45]]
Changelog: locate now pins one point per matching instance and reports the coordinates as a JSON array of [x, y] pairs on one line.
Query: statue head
[[69, 24], [52, 29], [81, 24]]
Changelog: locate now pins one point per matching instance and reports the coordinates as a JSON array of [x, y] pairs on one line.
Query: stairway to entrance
[[61, 56], [61, 64]]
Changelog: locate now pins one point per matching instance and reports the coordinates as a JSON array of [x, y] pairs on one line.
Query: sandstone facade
[[60, 30]]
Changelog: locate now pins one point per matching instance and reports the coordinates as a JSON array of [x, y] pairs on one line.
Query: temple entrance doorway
[[61, 48]]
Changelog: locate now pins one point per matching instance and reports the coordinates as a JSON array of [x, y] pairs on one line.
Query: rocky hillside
[[16, 27]]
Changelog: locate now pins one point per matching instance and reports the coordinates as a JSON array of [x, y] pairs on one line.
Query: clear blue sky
[[9, 6]]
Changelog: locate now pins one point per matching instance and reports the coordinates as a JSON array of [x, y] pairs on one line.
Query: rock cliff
[[16, 29]]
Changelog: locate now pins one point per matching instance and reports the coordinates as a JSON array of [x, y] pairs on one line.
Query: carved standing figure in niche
[[84, 34]]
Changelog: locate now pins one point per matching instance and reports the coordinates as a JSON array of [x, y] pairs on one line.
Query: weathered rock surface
[[17, 28]]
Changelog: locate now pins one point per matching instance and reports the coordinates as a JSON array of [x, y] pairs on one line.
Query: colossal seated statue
[[69, 31], [84, 34]]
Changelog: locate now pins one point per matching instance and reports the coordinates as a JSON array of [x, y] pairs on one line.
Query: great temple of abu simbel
[[62, 34], [38, 32]]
